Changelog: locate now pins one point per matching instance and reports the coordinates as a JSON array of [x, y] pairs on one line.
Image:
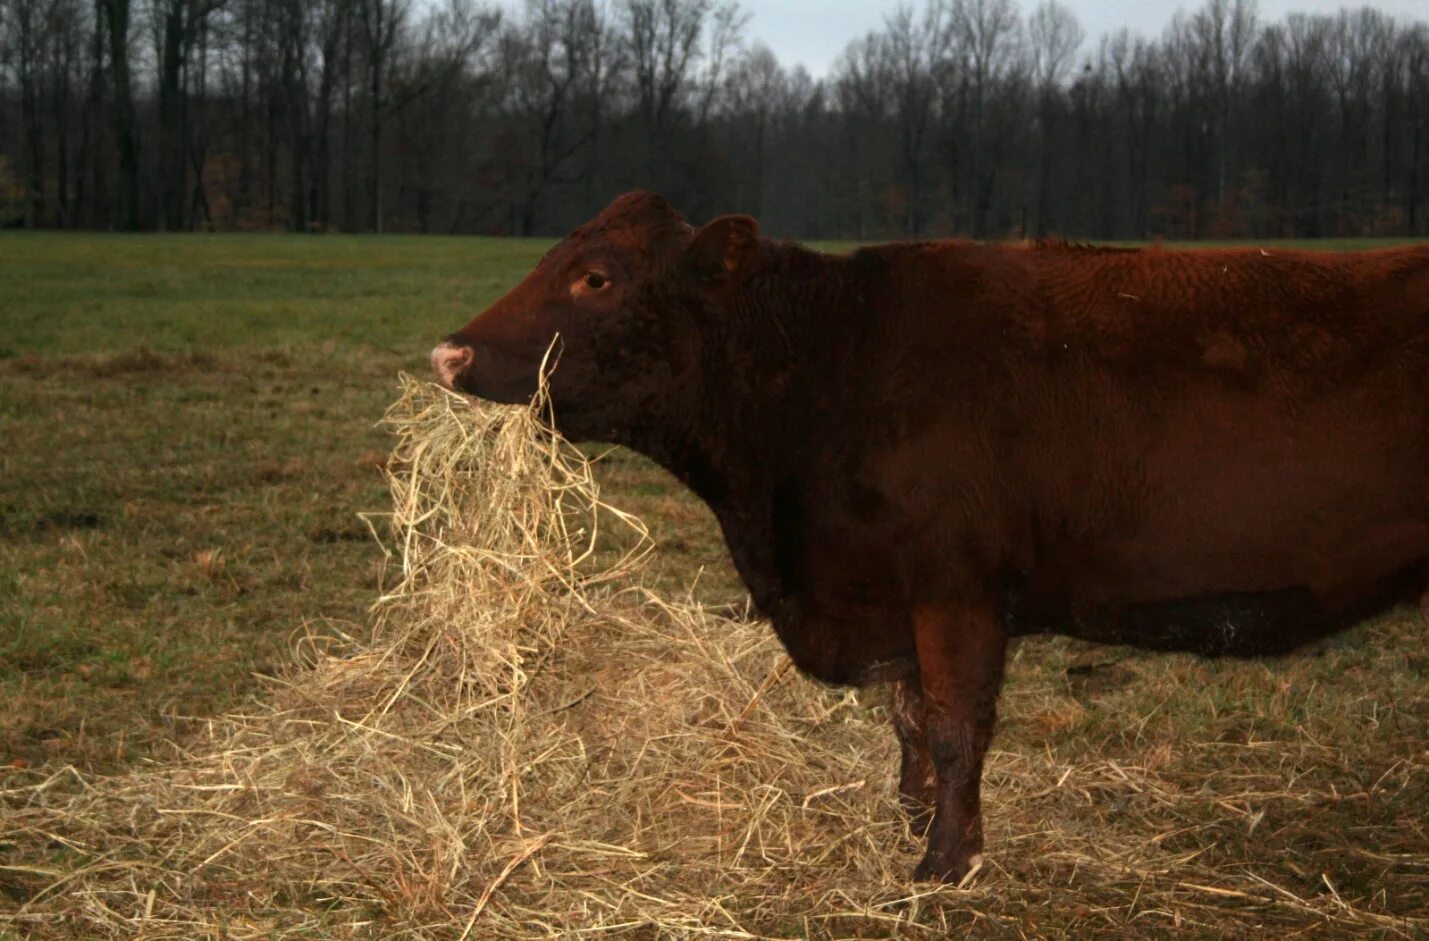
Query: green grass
[[106, 293], [188, 432]]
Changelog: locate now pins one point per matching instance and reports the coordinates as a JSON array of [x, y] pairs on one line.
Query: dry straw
[[530, 746]]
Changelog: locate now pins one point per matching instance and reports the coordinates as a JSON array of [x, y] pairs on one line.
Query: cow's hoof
[[956, 871]]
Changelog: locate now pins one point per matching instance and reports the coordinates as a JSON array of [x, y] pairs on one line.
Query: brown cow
[[918, 450]]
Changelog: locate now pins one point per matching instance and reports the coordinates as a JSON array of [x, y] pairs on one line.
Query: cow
[[917, 451]]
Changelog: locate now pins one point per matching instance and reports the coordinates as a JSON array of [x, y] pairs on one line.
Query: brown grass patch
[[529, 744], [143, 361]]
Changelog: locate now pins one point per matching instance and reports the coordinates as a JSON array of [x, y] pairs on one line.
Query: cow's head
[[621, 299]]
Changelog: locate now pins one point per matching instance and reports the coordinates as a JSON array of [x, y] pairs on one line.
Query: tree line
[[960, 116]]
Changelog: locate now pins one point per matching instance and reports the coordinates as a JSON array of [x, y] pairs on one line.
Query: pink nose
[[450, 361]]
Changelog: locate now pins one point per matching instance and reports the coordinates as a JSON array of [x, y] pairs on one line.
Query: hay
[[528, 746]]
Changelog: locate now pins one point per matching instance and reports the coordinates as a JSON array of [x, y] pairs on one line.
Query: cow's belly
[[1241, 573], [1235, 623], [846, 645], [1229, 594], [1252, 529]]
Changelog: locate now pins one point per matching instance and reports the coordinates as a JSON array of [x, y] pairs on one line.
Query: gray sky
[[814, 32]]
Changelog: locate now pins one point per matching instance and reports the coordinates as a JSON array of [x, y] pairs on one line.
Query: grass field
[[188, 434]]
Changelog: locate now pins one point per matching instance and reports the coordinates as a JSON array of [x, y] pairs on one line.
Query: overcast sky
[[814, 32]]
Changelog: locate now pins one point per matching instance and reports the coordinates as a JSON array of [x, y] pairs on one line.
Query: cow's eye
[[592, 282]]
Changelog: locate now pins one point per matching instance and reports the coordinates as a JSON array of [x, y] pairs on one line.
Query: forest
[[957, 117]]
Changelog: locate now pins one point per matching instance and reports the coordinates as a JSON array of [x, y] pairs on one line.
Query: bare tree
[[381, 22], [30, 29], [953, 116], [987, 41], [664, 42], [606, 65], [1291, 60], [1414, 59], [1224, 31], [444, 85], [864, 88], [665, 50], [177, 25], [549, 62], [916, 49], [1053, 38], [116, 15], [1135, 79], [754, 89], [723, 37]]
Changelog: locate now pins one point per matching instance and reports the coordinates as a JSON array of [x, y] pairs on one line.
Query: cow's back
[[1182, 310]]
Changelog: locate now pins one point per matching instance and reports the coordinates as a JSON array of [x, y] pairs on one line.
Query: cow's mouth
[[477, 371], [450, 361]]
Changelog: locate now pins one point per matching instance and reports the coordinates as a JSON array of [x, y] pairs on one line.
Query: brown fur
[[918, 450]]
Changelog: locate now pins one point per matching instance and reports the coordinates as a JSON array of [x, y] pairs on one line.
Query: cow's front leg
[[917, 781], [960, 659]]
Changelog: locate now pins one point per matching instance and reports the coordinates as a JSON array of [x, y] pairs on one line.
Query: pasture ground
[[188, 432]]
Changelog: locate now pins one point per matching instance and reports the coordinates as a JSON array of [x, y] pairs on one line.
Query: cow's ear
[[723, 246]]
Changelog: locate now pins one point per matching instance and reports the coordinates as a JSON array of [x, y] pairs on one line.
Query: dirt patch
[[140, 362], [1095, 678], [14, 522]]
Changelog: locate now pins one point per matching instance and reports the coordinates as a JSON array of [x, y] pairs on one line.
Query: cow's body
[[1215, 451], [916, 451]]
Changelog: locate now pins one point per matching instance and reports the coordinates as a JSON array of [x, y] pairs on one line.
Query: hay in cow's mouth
[[529, 744]]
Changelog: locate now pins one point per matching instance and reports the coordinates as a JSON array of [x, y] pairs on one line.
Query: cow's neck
[[739, 445]]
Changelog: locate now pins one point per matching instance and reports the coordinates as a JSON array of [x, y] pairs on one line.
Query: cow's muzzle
[[450, 361]]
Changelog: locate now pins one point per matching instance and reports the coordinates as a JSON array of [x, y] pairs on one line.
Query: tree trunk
[[320, 198], [349, 157], [64, 209], [377, 55], [172, 176], [117, 15], [90, 193], [1044, 170], [1414, 161], [30, 114]]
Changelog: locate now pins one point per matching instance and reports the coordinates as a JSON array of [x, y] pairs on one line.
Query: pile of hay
[[530, 746]]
